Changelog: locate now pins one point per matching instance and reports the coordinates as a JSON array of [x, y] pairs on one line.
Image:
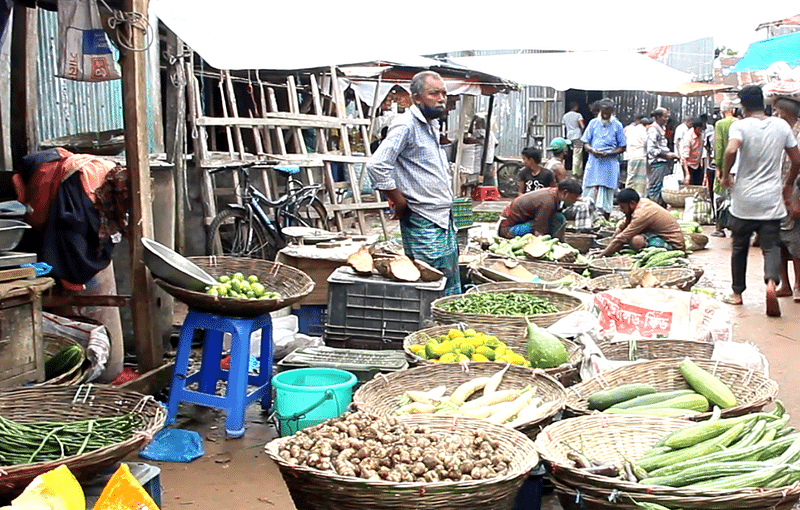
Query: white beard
[[606, 122]]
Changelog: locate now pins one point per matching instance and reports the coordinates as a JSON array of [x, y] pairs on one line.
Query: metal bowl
[[11, 233], [174, 268]]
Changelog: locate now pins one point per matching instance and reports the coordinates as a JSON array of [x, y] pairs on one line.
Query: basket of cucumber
[[736, 389], [273, 286], [64, 359], [670, 463]]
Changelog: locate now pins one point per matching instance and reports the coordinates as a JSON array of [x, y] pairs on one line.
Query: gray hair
[[659, 112], [419, 80], [791, 106], [727, 106]]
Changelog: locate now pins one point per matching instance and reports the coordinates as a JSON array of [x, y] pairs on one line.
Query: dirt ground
[[236, 474]]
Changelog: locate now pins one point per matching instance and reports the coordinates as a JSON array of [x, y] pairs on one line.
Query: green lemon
[[236, 285], [251, 295], [212, 292], [224, 279], [252, 278], [238, 276], [257, 289]]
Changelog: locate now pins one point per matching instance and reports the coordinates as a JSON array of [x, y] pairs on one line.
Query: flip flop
[[773, 307], [730, 300], [796, 295]]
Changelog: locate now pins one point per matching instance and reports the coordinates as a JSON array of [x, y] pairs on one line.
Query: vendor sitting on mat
[[646, 224], [536, 212]]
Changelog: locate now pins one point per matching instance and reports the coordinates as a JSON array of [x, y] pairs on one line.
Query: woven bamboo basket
[[547, 273], [681, 278], [312, 489], [608, 282], [616, 439], [609, 265], [515, 337], [52, 345], [654, 348], [581, 242], [677, 198], [564, 302], [292, 284], [752, 390], [71, 403], [379, 396]]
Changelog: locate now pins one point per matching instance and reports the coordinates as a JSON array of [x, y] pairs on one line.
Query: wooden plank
[[234, 113], [49, 300], [228, 132], [360, 206], [23, 105], [322, 147], [271, 121], [266, 175], [176, 131], [198, 132], [368, 152], [273, 106], [462, 126], [294, 106], [149, 350], [150, 383]]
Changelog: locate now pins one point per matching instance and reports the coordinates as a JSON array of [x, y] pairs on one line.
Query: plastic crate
[[462, 212], [482, 193], [375, 312], [310, 319], [365, 364]]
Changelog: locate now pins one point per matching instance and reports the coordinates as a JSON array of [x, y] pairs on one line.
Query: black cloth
[[70, 241], [544, 179], [32, 161]]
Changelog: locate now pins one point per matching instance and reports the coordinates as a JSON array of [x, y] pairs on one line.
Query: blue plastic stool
[[236, 399]]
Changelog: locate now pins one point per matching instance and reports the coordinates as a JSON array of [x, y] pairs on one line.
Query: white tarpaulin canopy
[[258, 34], [589, 70]]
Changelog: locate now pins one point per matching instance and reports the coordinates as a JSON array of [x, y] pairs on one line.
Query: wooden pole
[[486, 141], [176, 132], [149, 350], [462, 126], [23, 82]]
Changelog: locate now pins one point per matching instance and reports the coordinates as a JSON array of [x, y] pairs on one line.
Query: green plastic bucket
[[307, 396]]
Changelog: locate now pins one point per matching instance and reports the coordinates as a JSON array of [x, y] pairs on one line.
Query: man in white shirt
[[635, 137], [573, 129], [759, 195]]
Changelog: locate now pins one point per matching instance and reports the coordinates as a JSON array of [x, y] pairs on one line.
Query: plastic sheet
[[174, 445]]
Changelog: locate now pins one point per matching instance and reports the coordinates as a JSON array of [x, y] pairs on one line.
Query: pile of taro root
[[384, 448]]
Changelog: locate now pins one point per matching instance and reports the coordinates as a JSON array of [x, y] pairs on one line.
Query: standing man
[[411, 169], [681, 130], [789, 110], [559, 148], [604, 141], [692, 153], [659, 157], [759, 195], [573, 129], [635, 137], [721, 129]]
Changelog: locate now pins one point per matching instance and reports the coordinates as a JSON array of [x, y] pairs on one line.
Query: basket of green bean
[[85, 427], [505, 307]]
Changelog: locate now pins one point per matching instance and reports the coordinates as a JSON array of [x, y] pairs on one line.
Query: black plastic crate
[[365, 364], [375, 312]]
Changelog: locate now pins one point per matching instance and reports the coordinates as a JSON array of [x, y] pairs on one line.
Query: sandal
[[796, 295], [730, 300], [773, 307]]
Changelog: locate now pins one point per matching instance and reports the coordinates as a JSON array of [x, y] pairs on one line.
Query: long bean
[[507, 303]]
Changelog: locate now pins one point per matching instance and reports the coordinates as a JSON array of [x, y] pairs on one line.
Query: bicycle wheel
[[240, 235], [507, 179], [309, 212]]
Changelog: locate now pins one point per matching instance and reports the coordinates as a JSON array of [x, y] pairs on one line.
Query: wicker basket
[[53, 344], [69, 403], [312, 489], [677, 198], [547, 273], [654, 348], [515, 337], [609, 265], [608, 282], [564, 302], [616, 439], [751, 389], [292, 284], [379, 396], [581, 242]]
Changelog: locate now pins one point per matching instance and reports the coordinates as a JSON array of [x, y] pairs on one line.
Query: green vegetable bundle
[[26, 443], [504, 303]]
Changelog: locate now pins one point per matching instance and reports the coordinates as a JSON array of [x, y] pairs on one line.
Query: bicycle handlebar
[[243, 165]]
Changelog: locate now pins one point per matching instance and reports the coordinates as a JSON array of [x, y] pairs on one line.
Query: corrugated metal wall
[[696, 57], [68, 107]]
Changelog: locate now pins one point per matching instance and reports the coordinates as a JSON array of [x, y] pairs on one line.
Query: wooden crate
[[21, 351], [319, 270]]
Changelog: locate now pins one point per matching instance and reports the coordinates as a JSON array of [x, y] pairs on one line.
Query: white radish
[[481, 412], [494, 381], [513, 408], [466, 390], [495, 398], [426, 397], [534, 410], [416, 408]]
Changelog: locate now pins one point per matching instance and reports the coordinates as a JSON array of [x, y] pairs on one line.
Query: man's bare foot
[[783, 291], [732, 299], [773, 308]]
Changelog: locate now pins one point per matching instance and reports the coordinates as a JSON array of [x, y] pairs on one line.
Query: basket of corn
[[735, 389], [421, 462], [634, 462], [457, 343]]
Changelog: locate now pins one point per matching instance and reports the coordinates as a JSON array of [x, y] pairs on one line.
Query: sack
[[83, 50], [703, 210]]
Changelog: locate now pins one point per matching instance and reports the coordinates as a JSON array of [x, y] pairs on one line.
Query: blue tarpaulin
[[760, 55]]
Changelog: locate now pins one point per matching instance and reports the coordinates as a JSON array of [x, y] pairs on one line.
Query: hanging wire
[[133, 20]]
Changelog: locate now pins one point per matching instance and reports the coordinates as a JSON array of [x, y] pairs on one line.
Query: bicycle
[[507, 172], [247, 230]]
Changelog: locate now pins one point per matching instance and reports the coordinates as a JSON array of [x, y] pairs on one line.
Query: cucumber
[[694, 434], [604, 399], [707, 384], [758, 478], [698, 450], [693, 402], [653, 398], [62, 361], [705, 472], [660, 412]]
